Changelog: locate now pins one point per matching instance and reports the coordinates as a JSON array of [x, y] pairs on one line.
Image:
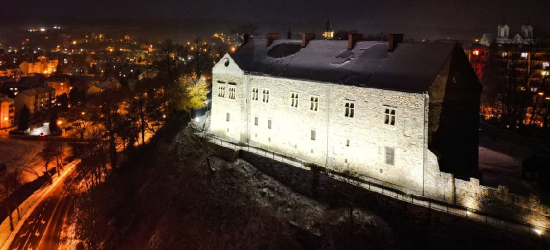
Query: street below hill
[[42, 229]]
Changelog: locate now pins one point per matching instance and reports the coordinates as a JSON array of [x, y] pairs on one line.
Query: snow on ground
[[22, 154], [501, 161]]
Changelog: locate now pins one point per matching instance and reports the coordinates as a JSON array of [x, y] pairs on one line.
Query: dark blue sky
[[419, 17]]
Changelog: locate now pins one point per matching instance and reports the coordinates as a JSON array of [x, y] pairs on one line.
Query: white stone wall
[[415, 169], [291, 127]]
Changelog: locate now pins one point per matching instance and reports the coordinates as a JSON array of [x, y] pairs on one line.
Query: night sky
[[421, 18]]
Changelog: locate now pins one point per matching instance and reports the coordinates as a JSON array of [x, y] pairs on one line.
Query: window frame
[[232, 92], [255, 94], [265, 95], [313, 135], [389, 152], [294, 99], [390, 116], [349, 108], [314, 103], [221, 90]]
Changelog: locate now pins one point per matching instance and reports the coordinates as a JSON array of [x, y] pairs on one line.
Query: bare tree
[[9, 183], [247, 28]]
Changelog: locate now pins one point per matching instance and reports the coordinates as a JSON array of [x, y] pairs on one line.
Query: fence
[[375, 186]]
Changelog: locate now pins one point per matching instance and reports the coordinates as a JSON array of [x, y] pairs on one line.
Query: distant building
[[13, 72], [37, 100], [148, 74], [478, 58], [503, 35], [61, 85], [42, 66], [14, 86], [400, 113], [100, 87], [329, 32], [7, 112]]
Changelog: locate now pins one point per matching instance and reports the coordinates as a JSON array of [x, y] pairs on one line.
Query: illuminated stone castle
[[400, 113]]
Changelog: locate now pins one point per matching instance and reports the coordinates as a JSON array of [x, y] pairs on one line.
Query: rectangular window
[[227, 117], [524, 55], [265, 95], [347, 143], [314, 103], [221, 91], [389, 116], [294, 100], [256, 121], [268, 124], [231, 92], [313, 135], [390, 156], [350, 109], [254, 94]]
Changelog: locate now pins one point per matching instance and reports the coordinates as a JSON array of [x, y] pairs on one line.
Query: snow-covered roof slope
[[411, 67]]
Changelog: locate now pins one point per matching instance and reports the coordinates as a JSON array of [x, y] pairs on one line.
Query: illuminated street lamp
[[541, 93]]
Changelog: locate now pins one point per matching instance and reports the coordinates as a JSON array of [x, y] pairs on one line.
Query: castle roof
[[411, 67]]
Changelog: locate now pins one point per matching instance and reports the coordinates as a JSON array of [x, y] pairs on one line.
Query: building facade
[[37, 100], [7, 112], [61, 85], [385, 110], [42, 66]]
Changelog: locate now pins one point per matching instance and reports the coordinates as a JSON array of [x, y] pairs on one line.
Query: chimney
[[272, 37], [306, 38], [353, 39], [246, 38], [393, 40]]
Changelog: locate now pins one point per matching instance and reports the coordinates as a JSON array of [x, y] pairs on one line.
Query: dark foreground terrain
[[180, 192]]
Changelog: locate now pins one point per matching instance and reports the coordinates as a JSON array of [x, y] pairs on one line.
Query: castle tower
[[503, 30], [527, 30], [328, 33]]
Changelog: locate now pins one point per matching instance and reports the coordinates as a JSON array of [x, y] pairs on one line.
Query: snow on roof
[[110, 83], [411, 67], [38, 90]]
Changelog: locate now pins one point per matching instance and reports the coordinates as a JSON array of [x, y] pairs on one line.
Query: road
[[43, 227]]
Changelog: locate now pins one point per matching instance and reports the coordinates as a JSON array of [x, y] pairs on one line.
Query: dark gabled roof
[[411, 67]]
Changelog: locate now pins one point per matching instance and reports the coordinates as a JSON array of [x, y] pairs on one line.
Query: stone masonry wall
[[499, 202], [353, 144]]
